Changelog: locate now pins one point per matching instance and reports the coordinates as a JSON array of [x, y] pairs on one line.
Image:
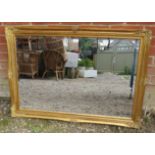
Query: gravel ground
[[108, 94]]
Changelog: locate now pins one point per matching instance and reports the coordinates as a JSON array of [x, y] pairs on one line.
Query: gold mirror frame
[[78, 31]]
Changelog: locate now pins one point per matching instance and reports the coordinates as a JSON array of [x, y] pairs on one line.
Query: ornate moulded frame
[[78, 31]]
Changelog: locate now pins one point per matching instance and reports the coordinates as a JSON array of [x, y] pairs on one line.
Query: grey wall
[[113, 61]]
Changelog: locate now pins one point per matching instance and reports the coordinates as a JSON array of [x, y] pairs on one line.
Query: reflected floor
[[108, 94]]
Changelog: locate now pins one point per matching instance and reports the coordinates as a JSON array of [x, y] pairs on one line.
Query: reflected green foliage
[[86, 43], [86, 63]]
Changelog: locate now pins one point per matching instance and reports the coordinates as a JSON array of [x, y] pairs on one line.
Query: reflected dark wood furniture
[[55, 62], [28, 63], [54, 56]]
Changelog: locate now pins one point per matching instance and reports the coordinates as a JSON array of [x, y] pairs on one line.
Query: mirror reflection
[[77, 75]]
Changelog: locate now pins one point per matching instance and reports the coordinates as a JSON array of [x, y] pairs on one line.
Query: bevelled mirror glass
[[77, 75]]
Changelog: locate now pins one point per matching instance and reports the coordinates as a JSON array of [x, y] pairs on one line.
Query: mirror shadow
[[77, 75]]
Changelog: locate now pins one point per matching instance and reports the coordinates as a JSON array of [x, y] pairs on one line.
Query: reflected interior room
[[77, 75]]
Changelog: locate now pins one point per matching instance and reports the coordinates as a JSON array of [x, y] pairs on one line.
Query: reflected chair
[[55, 62]]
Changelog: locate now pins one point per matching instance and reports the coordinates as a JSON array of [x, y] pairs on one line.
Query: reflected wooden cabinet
[[28, 63]]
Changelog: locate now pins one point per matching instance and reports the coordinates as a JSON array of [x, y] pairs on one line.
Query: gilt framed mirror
[[77, 73]]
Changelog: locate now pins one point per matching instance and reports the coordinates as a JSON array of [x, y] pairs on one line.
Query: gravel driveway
[[108, 94]]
